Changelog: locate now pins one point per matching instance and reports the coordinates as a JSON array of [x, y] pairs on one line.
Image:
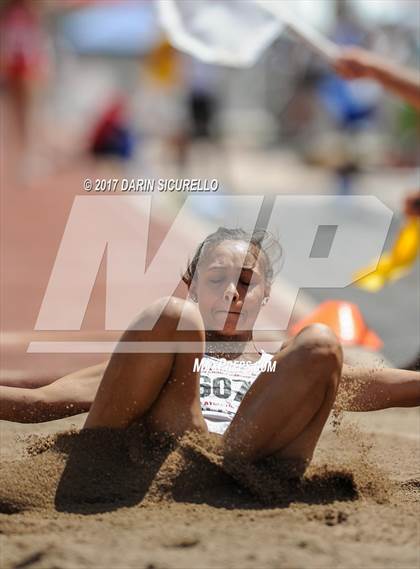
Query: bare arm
[[355, 63], [69, 395], [364, 389]]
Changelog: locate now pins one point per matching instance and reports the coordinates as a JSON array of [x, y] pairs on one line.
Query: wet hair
[[260, 239]]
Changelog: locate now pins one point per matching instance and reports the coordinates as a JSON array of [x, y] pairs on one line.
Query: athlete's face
[[228, 274]]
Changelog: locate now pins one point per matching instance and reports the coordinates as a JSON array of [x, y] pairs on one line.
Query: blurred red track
[[33, 222]]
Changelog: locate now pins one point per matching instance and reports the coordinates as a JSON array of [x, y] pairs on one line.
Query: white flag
[[234, 32]]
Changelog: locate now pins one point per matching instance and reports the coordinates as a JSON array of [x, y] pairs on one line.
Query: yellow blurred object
[[163, 64], [395, 263]]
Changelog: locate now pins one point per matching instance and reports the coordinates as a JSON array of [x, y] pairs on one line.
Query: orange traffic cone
[[346, 320]]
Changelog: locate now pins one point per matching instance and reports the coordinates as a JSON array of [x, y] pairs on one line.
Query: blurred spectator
[[354, 63], [164, 101], [112, 135], [24, 59], [203, 100]]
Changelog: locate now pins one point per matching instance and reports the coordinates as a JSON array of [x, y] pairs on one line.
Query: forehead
[[237, 254]]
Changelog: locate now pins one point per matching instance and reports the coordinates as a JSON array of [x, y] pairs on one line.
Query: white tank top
[[223, 384]]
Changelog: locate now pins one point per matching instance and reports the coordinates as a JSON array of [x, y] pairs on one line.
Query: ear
[[192, 292]]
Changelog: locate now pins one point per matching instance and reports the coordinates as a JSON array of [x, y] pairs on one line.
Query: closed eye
[[243, 282]]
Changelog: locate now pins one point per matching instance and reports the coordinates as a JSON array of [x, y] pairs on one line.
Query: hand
[[412, 204], [355, 62]]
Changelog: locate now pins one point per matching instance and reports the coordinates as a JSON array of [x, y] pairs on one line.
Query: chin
[[231, 331]]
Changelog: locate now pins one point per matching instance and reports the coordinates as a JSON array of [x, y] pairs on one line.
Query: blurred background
[[92, 88]]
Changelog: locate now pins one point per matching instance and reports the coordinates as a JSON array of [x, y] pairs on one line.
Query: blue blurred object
[[350, 103], [112, 134], [126, 28], [120, 143]]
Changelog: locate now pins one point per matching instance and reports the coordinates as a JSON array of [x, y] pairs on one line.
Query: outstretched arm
[[69, 395], [366, 389], [355, 62]]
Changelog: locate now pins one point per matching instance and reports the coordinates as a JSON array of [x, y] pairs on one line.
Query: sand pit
[[71, 500]]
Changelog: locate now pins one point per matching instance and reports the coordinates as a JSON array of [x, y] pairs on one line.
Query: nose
[[231, 294]]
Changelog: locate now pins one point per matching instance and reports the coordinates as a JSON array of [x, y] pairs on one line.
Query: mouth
[[229, 312]]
